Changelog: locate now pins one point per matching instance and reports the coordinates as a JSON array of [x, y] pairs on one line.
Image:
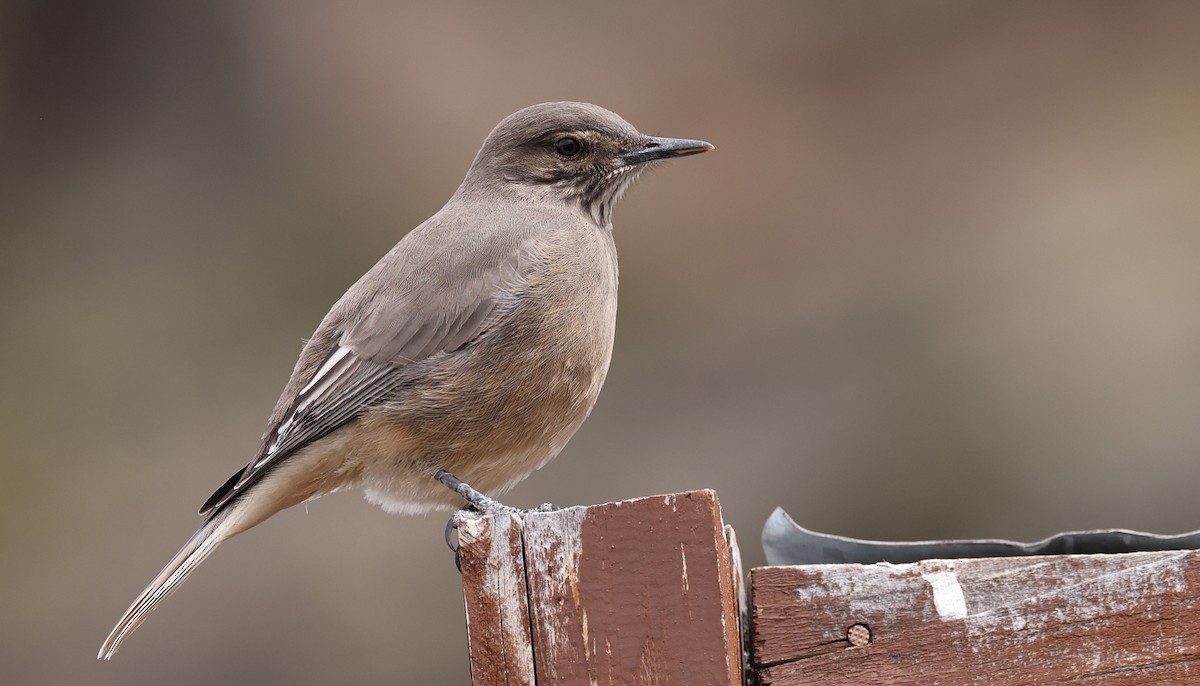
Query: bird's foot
[[480, 503]]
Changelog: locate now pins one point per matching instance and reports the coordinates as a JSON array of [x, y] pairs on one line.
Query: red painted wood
[[1075, 619], [637, 592]]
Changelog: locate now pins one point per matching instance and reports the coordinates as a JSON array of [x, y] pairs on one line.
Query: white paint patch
[[589, 647], [948, 598], [870, 590], [683, 557], [1082, 599], [552, 549]]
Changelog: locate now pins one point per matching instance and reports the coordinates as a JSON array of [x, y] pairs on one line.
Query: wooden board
[[637, 592], [497, 601], [1072, 619]]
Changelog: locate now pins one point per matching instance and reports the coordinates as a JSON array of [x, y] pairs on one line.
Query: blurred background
[[940, 279]]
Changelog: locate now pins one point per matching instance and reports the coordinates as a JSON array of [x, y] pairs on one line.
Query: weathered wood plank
[[1072, 619], [636, 592], [493, 571]]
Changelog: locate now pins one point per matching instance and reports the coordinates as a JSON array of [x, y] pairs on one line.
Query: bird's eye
[[568, 146]]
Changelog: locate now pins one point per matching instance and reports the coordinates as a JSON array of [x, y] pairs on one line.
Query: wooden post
[[1069, 619], [638, 592]]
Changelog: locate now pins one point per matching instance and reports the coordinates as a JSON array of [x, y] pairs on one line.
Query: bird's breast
[[508, 403]]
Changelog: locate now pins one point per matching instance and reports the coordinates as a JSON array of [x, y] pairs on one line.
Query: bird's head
[[570, 152]]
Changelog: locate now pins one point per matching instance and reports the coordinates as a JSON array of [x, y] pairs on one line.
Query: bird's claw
[[451, 536]]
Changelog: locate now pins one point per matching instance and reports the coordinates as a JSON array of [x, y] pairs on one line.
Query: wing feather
[[347, 383], [424, 307]]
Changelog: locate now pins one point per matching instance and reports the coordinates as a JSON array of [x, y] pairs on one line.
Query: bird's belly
[[489, 424]]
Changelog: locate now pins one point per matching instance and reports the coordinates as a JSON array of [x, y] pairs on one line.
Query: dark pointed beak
[[655, 148]]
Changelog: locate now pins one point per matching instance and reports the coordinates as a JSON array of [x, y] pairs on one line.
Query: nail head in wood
[[858, 635]]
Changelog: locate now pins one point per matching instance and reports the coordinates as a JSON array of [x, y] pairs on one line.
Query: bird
[[468, 356]]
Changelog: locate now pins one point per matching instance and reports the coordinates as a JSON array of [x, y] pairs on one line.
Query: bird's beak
[[655, 148]]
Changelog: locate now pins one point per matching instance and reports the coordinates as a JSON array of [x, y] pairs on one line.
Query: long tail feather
[[198, 547]]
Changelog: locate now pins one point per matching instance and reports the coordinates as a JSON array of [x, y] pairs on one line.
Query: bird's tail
[[219, 527]]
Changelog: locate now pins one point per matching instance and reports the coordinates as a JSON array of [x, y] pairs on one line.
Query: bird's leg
[[482, 502], [474, 498]]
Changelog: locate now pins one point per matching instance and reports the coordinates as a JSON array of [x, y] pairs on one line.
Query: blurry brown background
[[939, 279]]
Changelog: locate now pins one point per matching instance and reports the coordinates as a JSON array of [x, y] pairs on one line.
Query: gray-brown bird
[[473, 350]]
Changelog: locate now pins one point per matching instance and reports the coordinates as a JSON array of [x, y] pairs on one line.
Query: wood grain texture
[[637, 592], [1072, 619], [493, 571]]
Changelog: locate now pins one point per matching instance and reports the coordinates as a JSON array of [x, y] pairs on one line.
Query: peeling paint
[[948, 598], [1054, 619], [683, 557], [1119, 591]]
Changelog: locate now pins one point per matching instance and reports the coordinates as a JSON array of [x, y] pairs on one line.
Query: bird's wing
[[363, 365]]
